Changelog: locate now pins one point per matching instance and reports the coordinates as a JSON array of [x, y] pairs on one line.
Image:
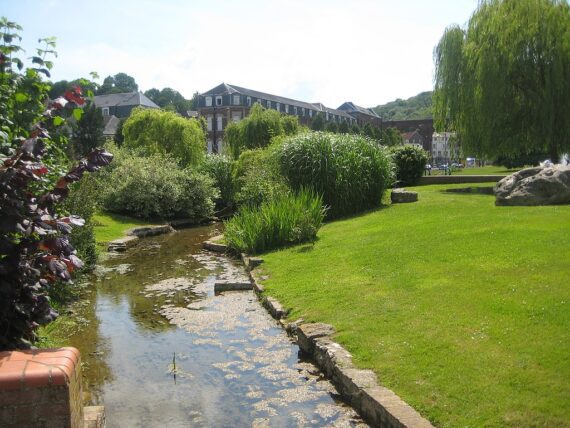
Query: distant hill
[[418, 107]]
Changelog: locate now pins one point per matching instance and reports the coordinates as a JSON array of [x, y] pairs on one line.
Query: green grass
[[484, 170], [114, 226], [459, 306]]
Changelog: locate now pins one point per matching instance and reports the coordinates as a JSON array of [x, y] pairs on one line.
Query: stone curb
[[377, 405], [214, 244]]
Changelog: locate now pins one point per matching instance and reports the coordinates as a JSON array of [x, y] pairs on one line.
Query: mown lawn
[[113, 226], [461, 307]]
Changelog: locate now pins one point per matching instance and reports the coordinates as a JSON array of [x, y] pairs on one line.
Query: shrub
[[351, 172], [220, 169], [410, 162], [156, 187], [167, 133], [258, 178], [286, 220]]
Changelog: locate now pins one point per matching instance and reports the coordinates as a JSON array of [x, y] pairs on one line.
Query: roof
[[350, 107], [225, 89], [123, 99], [410, 134]]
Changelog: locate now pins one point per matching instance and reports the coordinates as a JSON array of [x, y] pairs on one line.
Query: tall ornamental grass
[[351, 172], [286, 220]]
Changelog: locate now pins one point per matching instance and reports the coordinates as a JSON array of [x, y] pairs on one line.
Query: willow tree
[[503, 82]]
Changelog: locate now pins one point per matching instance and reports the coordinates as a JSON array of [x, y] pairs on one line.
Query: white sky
[[366, 51]]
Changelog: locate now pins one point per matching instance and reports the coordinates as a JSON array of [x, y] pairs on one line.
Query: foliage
[[170, 99], [119, 83], [87, 132], [257, 130], [156, 187], [258, 178], [416, 107], [118, 138], [318, 122], [503, 83], [355, 129], [434, 296], [521, 160], [163, 132], [286, 220], [220, 169], [410, 162], [392, 137], [87, 86], [372, 132], [351, 172], [331, 127], [344, 127], [35, 252]]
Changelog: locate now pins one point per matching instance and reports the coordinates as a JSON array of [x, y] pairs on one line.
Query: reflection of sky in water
[[234, 365]]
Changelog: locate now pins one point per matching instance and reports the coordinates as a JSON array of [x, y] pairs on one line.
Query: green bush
[[164, 132], [410, 162], [220, 169], [351, 172], [156, 187], [286, 220], [258, 178]]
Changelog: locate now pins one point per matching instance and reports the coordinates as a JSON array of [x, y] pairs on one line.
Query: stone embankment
[[379, 406], [133, 236]]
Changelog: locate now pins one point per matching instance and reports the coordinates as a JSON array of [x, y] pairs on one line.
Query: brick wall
[[41, 388]]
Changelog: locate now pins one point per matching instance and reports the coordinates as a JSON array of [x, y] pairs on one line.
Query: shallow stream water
[[160, 349]]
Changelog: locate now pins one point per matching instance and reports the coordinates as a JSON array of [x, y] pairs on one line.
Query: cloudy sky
[[366, 51]]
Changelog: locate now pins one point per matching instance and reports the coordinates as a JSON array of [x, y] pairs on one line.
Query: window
[[286, 108], [277, 106], [219, 100], [105, 111], [311, 113], [249, 101], [294, 109], [236, 100], [327, 116], [219, 124], [236, 116], [209, 119], [208, 101], [268, 104], [303, 111]]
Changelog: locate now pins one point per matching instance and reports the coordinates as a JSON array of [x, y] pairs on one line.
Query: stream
[[160, 349]]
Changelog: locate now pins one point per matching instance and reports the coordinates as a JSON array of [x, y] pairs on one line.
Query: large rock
[[535, 186], [401, 196]]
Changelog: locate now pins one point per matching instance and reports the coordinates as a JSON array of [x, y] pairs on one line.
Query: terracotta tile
[[59, 376]]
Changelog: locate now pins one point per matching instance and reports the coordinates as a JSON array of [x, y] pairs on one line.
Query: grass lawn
[[459, 306], [114, 226], [483, 170]]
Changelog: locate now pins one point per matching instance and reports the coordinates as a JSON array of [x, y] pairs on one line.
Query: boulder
[[402, 196], [535, 186]]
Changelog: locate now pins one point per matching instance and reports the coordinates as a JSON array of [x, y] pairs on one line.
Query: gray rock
[[535, 186], [402, 196], [232, 285]]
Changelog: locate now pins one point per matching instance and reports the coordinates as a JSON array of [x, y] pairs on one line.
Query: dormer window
[[277, 106], [294, 109], [236, 100], [268, 104], [303, 111], [286, 108], [219, 100], [208, 101], [105, 111], [311, 113], [249, 101]]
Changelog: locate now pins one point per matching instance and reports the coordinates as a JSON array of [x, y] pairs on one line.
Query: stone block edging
[[379, 406], [215, 244], [133, 236]]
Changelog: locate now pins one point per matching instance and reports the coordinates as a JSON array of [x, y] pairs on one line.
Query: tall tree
[[170, 99], [503, 83], [120, 82], [88, 132], [318, 122]]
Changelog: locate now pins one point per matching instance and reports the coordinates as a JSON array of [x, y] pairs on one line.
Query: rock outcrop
[[400, 196], [535, 186]]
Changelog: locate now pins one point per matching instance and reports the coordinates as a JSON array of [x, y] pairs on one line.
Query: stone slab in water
[[215, 244], [122, 244], [151, 230], [229, 285], [403, 196]]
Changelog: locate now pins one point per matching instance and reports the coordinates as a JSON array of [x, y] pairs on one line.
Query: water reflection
[[234, 365]]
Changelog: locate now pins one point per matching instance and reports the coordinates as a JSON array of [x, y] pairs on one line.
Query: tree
[[392, 137], [318, 122], [87, 86], [331, 127], [120, 82], [503, 83], [344, 127], [170, 99], [88, 132], [164, 132]]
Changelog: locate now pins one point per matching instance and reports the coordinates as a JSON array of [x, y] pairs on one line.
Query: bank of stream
[[161, 349]]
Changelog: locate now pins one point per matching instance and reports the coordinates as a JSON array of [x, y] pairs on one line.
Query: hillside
[[418, 107]]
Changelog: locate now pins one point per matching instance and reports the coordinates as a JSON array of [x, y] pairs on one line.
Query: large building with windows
[[445, 148], [229, 103]]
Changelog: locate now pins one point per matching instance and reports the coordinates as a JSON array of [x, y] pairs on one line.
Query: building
[[229, 103], [445, 148], [118, 106], [423, 126], [363, 115], [414, 138]]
